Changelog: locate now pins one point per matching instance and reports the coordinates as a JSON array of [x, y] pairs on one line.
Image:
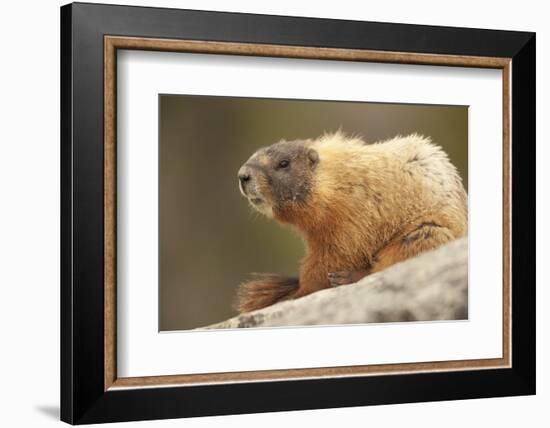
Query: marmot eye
[[283, 164]]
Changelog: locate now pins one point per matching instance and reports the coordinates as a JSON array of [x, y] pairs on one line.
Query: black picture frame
[[83, 397]]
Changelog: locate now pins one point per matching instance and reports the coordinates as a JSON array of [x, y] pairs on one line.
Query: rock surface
[[431, 286]]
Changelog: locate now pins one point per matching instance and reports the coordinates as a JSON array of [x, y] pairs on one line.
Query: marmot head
[[279, 176]]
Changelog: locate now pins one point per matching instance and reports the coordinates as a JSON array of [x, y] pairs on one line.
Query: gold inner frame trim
[[113, 43]]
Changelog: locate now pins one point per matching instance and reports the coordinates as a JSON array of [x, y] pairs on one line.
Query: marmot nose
[[244, 175]]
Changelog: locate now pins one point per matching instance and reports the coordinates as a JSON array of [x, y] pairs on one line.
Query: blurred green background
[[210, 240]]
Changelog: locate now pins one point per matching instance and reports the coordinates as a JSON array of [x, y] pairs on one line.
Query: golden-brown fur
[[360, 208]]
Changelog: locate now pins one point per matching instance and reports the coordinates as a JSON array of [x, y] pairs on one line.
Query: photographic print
[[318, 201], [288, 212]]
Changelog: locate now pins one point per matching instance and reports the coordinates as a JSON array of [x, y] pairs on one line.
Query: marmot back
[[359, 207]]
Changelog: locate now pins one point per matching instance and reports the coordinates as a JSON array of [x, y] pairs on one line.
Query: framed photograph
[[266, 213]]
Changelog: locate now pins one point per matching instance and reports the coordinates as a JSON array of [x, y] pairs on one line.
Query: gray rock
[[431, 286]]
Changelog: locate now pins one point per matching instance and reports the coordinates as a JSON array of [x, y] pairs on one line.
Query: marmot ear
[[313, 157]]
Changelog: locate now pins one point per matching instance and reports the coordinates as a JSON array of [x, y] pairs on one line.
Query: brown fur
[[359, 208], [264, 290]]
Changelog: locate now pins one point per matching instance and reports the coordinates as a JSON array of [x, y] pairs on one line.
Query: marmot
[[359, 207]]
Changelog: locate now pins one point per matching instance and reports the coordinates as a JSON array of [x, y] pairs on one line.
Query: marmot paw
[[345, 277]]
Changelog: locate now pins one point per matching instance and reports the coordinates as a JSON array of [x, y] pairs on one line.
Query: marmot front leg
[[427, 236]]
